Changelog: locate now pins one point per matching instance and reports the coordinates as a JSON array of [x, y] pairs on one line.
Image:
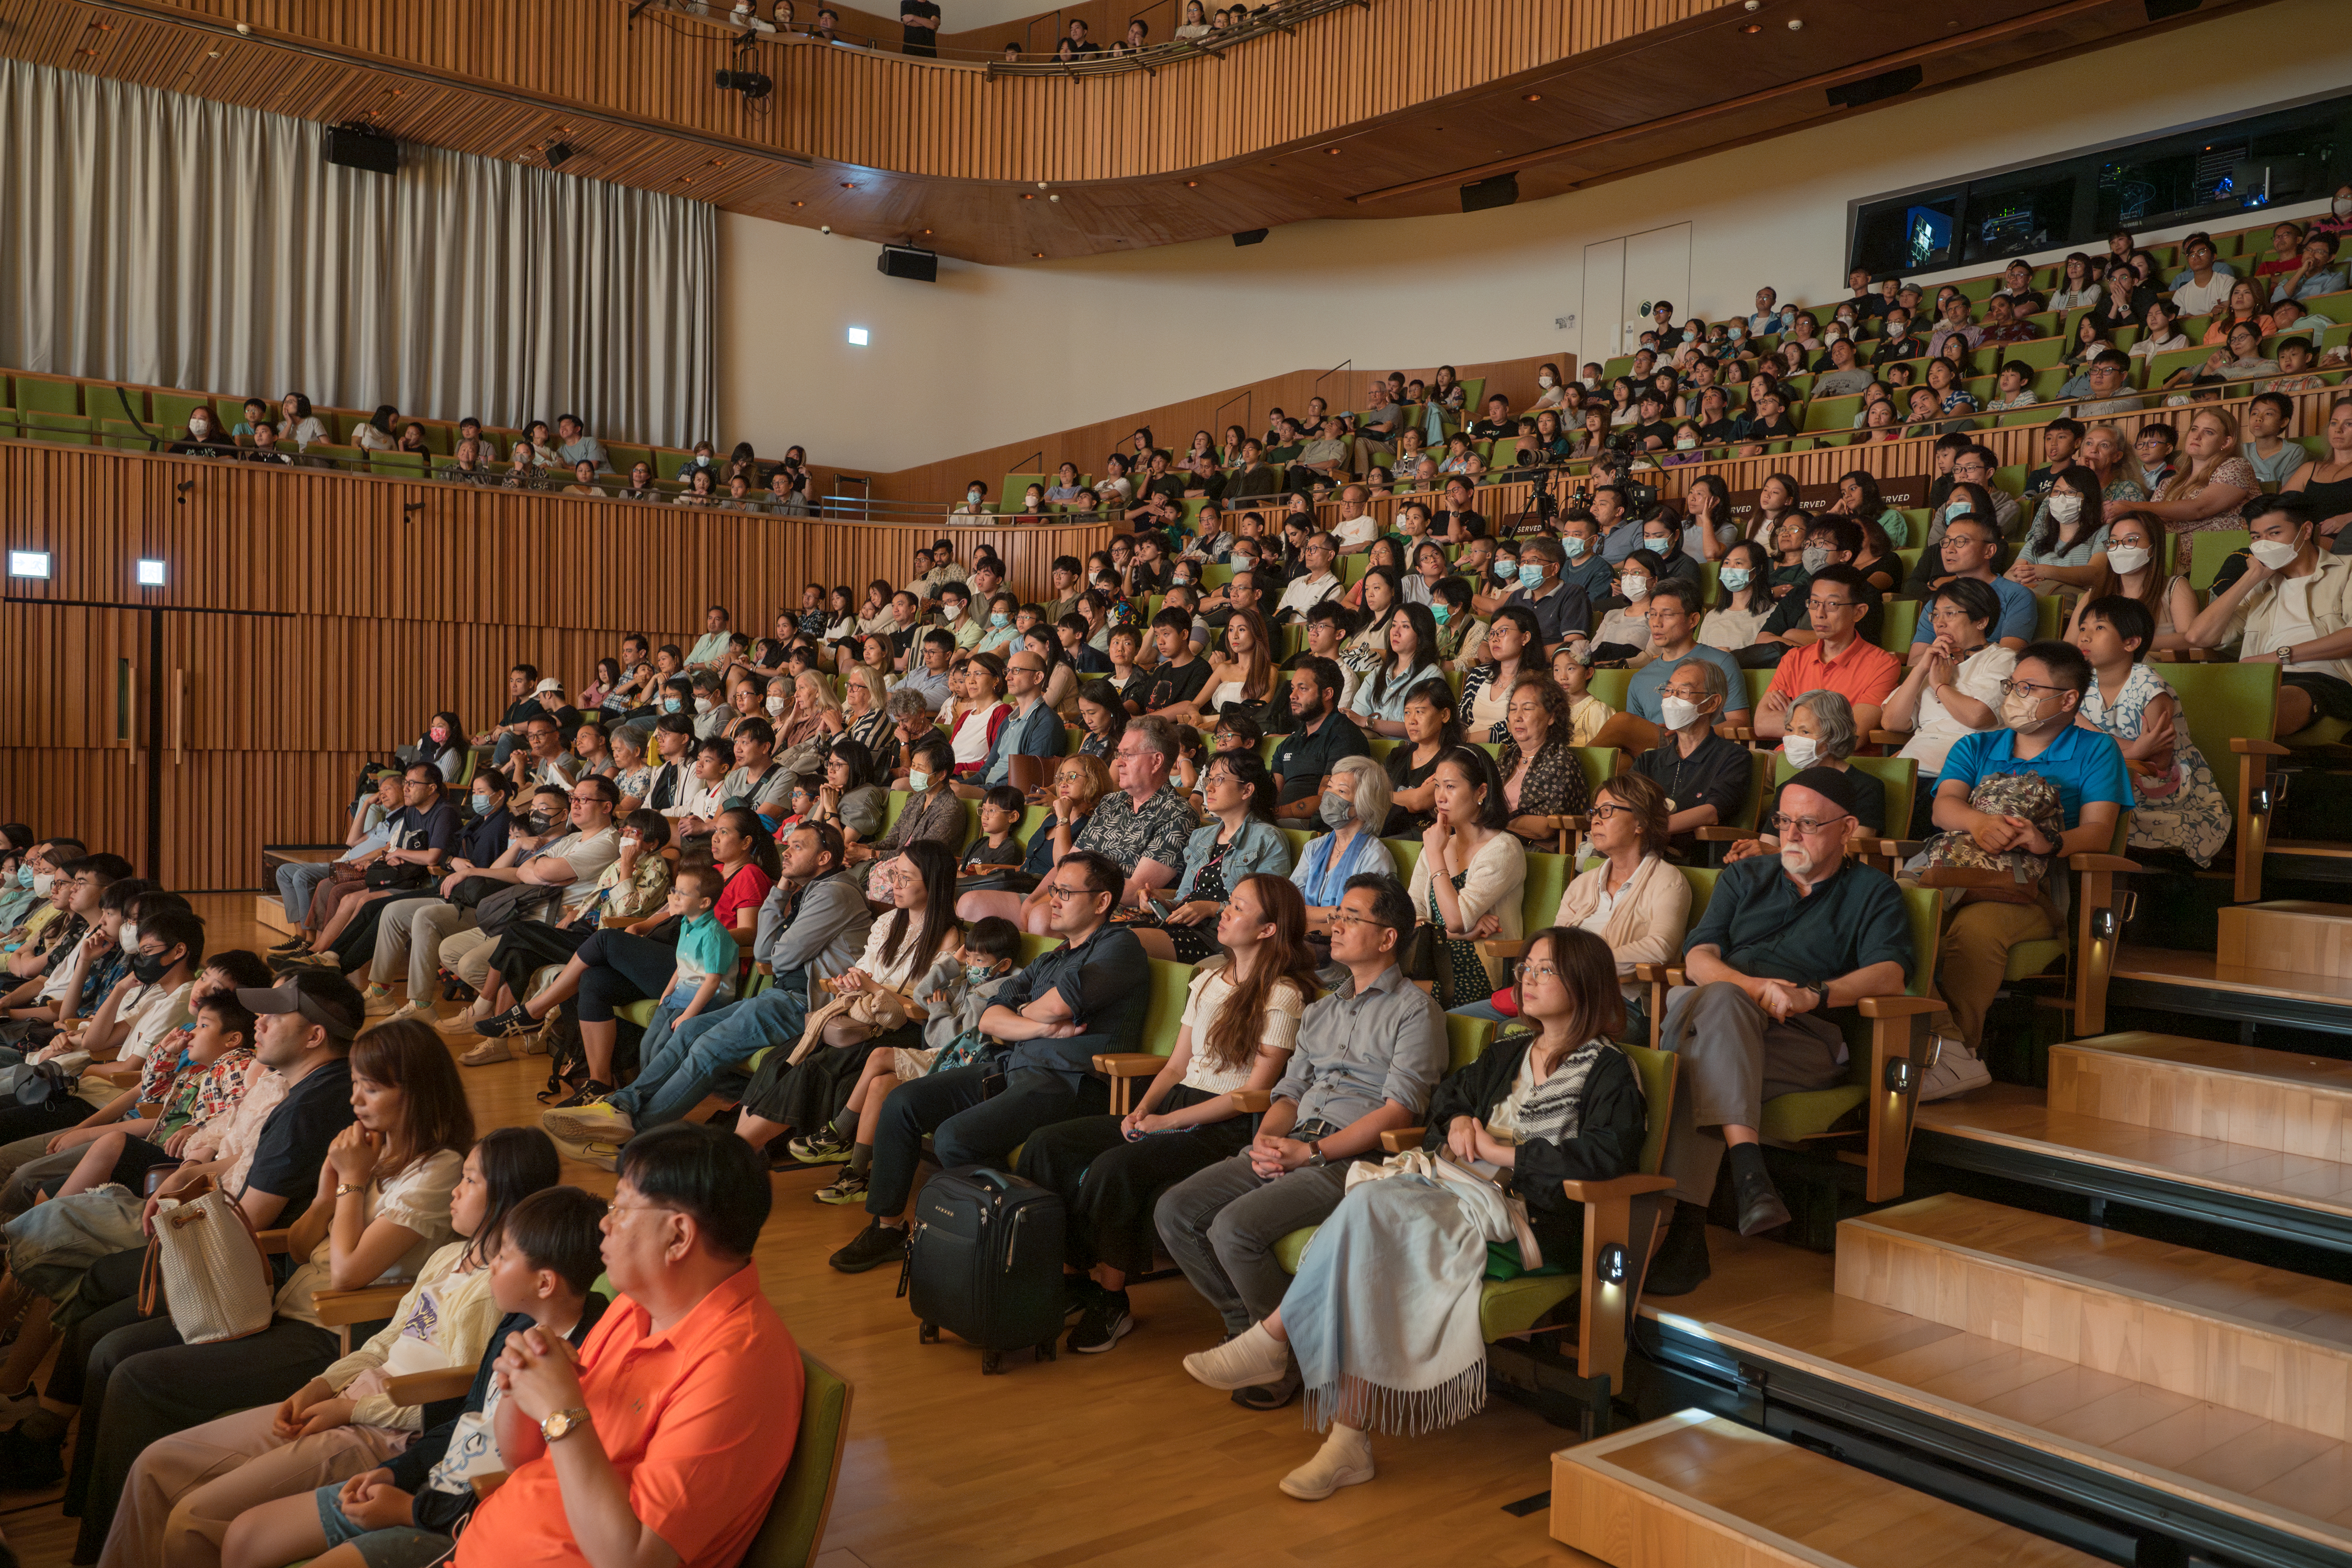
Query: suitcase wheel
[[929, 1334], [1047, 1351], [991, 1363]]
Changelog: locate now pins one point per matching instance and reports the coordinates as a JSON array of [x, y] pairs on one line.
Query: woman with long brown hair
[[1241, 1016], [1382, 1317]]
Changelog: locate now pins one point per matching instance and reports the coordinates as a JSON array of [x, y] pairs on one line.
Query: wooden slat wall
[[872, 110], [341, 623]]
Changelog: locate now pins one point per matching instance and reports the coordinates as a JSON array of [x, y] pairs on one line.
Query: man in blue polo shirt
[[2038, 707], [1971, 548], [1674, 613]]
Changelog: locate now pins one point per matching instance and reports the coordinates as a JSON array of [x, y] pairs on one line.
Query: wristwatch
[[342, 1187], [561, 1424], [1315, 1158]]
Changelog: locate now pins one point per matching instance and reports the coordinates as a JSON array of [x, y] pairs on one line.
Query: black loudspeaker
[[1499, 191], [2165, 10], [906, 261], [1250, 237], [355, 148], [1870, 89]]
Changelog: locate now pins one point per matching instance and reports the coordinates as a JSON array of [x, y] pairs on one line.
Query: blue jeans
[[297, 880], [680, 1062]]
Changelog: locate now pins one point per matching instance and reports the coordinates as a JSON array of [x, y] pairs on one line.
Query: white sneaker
[[1248, 1359], [1344, 1460], [483, 1055], [1955, 1072], [458, 1022], [415, 1010]]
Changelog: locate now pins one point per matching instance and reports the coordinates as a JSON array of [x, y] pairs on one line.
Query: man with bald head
[[1786, 943]]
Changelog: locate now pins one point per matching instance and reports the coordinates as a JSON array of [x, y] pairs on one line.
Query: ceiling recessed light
[[926, 231], [1753, 28], [1333, 151], [1532, 96], [1027, 197], [848, 185], [800, 203], [1191, 184], [1038, 255], [857, 337]]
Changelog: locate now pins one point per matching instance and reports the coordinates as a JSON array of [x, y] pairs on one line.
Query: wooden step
[[2166, 966], [2207, 1089], [2291, 934], [1695, 1488], [2269, 1475], [2260, 1341], [2013, 1118]]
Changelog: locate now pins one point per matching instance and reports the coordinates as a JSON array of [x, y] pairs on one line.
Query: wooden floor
[[1117, 1458]]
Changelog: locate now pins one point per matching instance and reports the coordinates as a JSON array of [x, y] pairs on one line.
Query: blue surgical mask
[[1530, 574], [1000, 620], [670, 705], [1506, 570], [24, 877], [1734, 577], [1957, 509], [1688, 334], [481, 802], [1441, 611], [1573, 545]]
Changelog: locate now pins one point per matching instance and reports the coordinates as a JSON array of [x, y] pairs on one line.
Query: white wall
[[995, 354]]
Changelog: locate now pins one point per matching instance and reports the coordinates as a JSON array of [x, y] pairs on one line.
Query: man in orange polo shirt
[[661, 1444], [1838, 660]]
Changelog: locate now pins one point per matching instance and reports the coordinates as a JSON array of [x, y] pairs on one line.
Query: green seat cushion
[[1792, 1117], [641, 1013], [1514, 1306], [2318, 732], [2028, 959], [1291, 1247]]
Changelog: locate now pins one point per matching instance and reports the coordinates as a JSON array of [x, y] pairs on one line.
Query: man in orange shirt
[[1838, 660], [661, 1445]]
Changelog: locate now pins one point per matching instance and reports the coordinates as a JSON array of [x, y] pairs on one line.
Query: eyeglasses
[[2012, 687], [1524, 971], [1602, 811], [1823, 606], [1808, 826], [1350, 918], [1057, 893]]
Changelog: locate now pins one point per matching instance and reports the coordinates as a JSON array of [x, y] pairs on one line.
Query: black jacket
[[414, 1465], [1613, 1120]]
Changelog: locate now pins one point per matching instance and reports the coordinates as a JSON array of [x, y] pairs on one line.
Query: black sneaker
[[1271, 1395], [1106, 1324], [296, 946], [876, 1245], [1760, 1209], [1081, 1293]]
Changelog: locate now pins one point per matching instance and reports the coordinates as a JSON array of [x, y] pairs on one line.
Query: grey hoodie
[[826, 937]]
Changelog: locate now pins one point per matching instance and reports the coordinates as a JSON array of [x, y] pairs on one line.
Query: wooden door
[[73, 723]]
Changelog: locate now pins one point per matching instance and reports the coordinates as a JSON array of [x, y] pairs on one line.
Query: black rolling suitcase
[[984, 1262]]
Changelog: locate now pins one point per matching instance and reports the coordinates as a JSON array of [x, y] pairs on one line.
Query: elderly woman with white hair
[[1355, 803], [1821, 734]]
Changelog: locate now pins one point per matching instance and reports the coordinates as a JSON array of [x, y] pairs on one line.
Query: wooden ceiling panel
[[1382, 111]]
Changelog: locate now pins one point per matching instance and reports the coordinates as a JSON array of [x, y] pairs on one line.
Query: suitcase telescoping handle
[[995, 1181]]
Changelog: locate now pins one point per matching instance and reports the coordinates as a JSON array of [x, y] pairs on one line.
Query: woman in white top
[[196, 1482], [377, 435], [1514, 643], [1956, 689], [977, 711], [1624, 632], [1412, 660], [1743, 598], [2078, 289], [1196, 22], [1479, 868], [301, 428], [2162, 335], [1241, 1020], [380, 1209]]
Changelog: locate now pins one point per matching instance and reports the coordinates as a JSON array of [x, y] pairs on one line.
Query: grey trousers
[[1222, 1225], [297, 880], [21, 1187], [15, 1157], [408, 936], [1734, 1058]]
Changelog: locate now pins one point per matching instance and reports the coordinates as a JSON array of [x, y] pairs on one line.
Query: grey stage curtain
[[150, 237]]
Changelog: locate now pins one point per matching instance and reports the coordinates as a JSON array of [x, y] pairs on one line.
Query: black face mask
[[147, 968]]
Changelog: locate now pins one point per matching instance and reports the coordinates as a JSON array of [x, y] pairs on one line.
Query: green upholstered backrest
[[1165, 1017], [2224, 702], [1600, 764], [1467, 1040], [1656, 1069], [1547, 880], [1702, 886], [794, 1527], [1407, 853], [1898, 619], [1898, 781], [1608, 685]]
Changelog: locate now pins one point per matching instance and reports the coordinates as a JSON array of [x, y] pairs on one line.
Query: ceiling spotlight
[[1796, 24], [1027, 197], [1333, 151], [800, 203], [1054, 197], [1039, 254], [1753, 28], [1040, 184], [752, 85], [1756, 5], [1191, 184], [848, 184], [824, 229], [1532, 96], [244, 30]]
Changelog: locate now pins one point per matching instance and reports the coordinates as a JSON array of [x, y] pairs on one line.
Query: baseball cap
[[549, 684], [324, 997]]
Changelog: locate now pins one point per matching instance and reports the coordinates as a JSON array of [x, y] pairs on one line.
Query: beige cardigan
[[1497, 874], [1652, 914]]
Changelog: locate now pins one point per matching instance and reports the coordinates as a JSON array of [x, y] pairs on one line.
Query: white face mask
[[1801, 751], [1680, 712], [919, 781], [703, 705], [2273, 553], [1634, 587], [2066, 508], [1544, 381], [2125, 559], [43, 881], [1591, 383], [129, 936], [777, 704]]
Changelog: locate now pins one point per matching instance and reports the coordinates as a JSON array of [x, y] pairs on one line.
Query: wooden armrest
[[2246, 748], [1715, 835], [1499, 947], [485, 1485], [370, 1303], [1631, 1186], [1251, 1101], [272, 1241], [2100, 863], [148, 1109], [1658, 973], [431, 1387], [1896, 738], [1397, 1140], [1898, 1006], [1129, 1064]]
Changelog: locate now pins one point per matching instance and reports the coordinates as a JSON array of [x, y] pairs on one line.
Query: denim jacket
[[1258, 846]]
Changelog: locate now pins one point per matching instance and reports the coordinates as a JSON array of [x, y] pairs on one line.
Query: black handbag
[[401, 876], [1423, 956], [469, 893]]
